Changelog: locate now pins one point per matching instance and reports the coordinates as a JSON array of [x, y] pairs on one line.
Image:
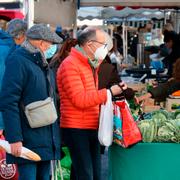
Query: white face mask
[[101, 52]]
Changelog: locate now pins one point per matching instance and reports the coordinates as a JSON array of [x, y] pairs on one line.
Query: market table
[[145, 161]]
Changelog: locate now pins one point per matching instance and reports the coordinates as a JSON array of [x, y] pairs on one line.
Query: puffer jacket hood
[[5, 39], [6, 42]]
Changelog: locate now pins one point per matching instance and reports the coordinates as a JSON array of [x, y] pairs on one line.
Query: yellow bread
[[32, 156]]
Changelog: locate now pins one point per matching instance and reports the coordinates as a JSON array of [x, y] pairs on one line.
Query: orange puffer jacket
[[79, 94]]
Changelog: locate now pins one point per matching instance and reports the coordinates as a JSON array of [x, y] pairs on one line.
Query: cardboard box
[[148, 109], [170, 102], [137, 86]]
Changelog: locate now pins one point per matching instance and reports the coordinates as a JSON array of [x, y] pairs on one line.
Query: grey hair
[[87, 34]]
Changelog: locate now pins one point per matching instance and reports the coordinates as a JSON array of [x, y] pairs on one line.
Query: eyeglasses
[[105, 44]]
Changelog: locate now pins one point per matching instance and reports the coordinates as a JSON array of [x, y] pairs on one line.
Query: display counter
[[145, 161]]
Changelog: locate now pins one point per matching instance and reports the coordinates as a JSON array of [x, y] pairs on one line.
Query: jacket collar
[[82, 57], [79, 55], [35, 51]]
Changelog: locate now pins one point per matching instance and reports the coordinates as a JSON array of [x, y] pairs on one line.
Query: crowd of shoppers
[[37, 64], [29, 78]]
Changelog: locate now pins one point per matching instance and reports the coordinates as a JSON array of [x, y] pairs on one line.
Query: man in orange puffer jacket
[[77, 81]]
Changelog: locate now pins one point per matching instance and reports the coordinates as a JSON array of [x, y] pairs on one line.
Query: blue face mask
[[49, 53]]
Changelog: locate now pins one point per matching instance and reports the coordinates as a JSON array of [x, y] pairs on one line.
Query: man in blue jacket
[[17, 28], [25, 81], [6, 42]]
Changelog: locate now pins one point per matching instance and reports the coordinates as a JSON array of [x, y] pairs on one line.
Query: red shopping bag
[[7, 171], [129, 129]]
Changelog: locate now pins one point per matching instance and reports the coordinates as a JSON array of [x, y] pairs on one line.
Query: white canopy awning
[[107, 13], [129, 12], [140, 3], [89, 13]]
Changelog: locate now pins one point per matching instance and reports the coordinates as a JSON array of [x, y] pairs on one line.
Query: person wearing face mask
[[25, 81], [49, 54], [77, 81]]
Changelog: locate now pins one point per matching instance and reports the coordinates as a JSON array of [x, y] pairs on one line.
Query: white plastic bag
[[105, 132]]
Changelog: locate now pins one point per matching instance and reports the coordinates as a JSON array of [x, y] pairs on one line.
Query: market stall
[[156, 157], [127, 17]]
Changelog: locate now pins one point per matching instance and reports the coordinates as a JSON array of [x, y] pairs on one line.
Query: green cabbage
[[148, 130], [160, 116]]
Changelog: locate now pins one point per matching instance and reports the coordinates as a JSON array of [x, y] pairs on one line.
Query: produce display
[[160, 126], [157, 126]]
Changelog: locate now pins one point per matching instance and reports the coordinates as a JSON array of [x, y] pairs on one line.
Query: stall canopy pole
[[30, 13], [126, 43], [124, 39], [177, 21], [123, 26], [165, 19], [74, 25]]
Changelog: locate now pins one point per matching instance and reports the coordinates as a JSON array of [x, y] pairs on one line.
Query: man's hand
[[139, 99], [16, 148], [123, 85], [117, 90]]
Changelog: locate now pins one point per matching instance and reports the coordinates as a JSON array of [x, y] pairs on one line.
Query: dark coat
[[175, 53], [171, 59], [161, 92], [25, 82], [108, 76], [6, 42]]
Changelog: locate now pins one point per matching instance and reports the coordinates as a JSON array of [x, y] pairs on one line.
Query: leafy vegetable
[[159, 116], [177, 114], [148, 130]]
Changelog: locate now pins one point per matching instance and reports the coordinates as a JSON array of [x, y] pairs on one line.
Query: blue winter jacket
[[25, 82], [6, 42]]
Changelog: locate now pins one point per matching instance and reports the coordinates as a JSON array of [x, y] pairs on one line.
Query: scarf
[[32, 49], [93, 63]]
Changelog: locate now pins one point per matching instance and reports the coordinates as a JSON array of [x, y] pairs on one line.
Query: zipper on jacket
[[94, 75]]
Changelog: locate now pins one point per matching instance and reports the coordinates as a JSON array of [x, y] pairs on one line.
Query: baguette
[[25, 152], [32, 156]]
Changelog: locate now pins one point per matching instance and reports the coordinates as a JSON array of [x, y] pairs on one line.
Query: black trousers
[[84, 148]]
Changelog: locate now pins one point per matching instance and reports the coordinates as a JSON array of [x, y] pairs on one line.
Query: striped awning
[[156, 24]]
